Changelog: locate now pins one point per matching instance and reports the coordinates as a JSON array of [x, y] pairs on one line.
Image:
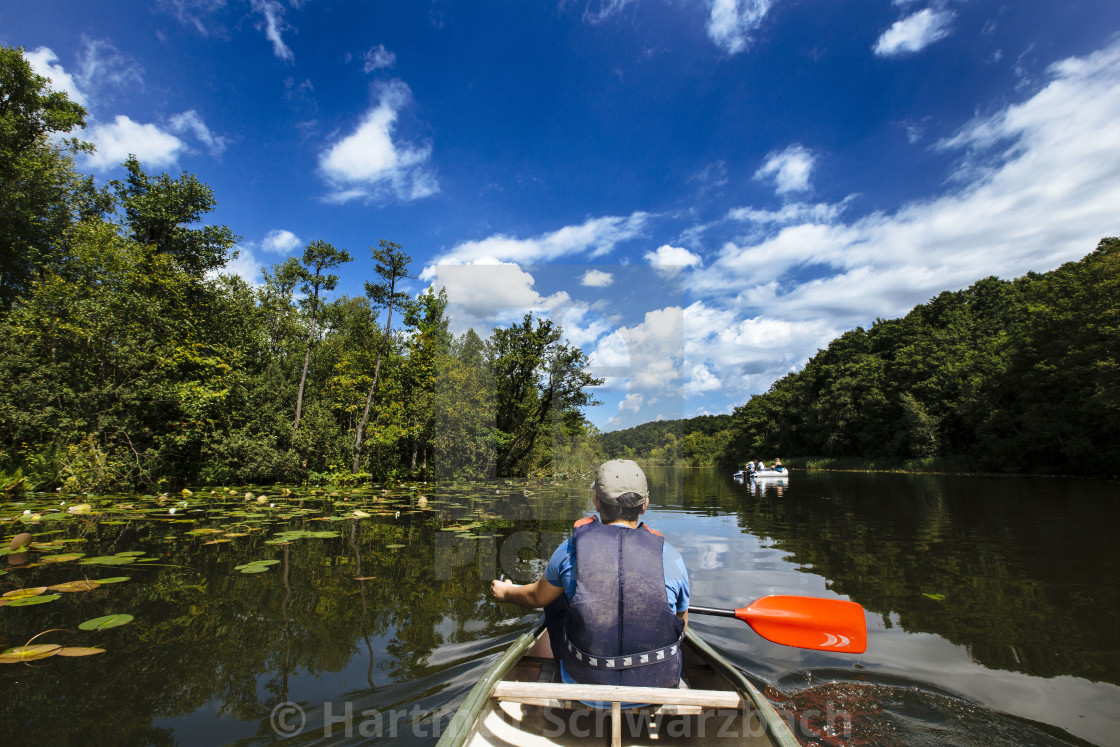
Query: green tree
[[41, 194], [317, 257], [392, 265], [538, 379], [159, 210]]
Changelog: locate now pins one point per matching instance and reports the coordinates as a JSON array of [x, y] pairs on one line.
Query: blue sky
[[702, 192]]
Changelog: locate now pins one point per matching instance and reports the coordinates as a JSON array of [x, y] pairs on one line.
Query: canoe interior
[[519, 711]]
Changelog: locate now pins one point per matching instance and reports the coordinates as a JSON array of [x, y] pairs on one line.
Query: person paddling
[[615, 593]]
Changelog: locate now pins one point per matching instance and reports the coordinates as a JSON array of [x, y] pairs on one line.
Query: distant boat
[[759, 474]]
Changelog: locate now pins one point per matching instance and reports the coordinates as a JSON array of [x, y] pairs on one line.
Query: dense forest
[[1005, 376], [696, 442], [129, 359]]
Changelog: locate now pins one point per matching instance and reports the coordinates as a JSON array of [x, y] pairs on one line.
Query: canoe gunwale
[[461, 728]]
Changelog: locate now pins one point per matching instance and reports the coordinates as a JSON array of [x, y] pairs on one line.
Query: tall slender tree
[[317, 257], [392, 265]]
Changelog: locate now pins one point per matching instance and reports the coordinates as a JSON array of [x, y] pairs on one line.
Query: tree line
[[694, 442], [1017, 376], [129, 359]]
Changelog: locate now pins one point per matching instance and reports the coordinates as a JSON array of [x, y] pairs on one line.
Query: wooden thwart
[[543, 693]]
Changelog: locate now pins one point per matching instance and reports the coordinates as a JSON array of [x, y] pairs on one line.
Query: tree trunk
[[365, 415], [303, 376]]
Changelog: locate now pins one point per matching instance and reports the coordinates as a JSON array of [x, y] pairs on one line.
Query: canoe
[[762, 473], [521, 701]]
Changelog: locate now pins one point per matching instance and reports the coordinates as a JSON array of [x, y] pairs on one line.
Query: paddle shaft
[[710, 611]]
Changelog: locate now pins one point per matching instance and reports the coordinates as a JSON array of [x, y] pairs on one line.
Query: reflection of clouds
[[710, 556]]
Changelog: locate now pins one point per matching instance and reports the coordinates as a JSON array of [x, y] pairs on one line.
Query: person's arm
[[540, 593], [684, 616]]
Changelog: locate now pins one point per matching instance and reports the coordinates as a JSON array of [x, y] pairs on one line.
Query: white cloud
[[191, 122], [101, 66], [789, 169], [701, 379], [281, 241], [196, 13], [791, 213], [914, 33], [481, 295], [632, 402], [596, 279], [672, 258], [607, 9], [594, 237], [376, 58], [1038, 185], [45, 63], [733, 21], [245, 265], [272, 21], [155, 148], [369, 163]]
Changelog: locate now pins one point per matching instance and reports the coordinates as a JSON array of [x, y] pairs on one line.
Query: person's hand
[[499, 587]]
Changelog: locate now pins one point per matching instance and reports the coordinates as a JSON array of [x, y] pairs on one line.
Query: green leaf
[[108, 621], [28, 601]]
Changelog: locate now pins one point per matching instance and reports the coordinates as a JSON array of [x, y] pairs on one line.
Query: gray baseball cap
[[617, 478]]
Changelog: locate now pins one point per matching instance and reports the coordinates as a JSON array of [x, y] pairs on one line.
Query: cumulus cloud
[[789, 169], [672, 258], [154, 147], [272, 22], [244, 265], [732, 22], [376, 58], [45, 63], [596, 279], [370, 163], [480, 296], [594, 237], [914, 33], [281, 241]]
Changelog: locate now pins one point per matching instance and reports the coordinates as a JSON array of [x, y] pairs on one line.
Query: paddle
[[803, 622]]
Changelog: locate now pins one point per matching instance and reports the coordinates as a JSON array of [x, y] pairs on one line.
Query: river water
[[262, 615]]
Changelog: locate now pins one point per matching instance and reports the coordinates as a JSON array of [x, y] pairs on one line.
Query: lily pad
[[29, 653], [108, 621], [113, 580], [106, 560], [29, 601], [80, 651], [62, 558], [257, 566], [83, 585], [31, 591]]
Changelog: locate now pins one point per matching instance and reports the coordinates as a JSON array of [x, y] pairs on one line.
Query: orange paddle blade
[[808, 622]]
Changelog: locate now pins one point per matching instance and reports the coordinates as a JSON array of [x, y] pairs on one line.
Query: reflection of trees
[[1023, 588], [205, 633]]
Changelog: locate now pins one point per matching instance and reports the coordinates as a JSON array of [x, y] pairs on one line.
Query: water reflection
[[975, 586]]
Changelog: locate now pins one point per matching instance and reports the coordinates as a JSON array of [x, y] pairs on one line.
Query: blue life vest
[[619, 628]]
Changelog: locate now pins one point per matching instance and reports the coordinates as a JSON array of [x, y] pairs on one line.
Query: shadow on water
[[375, 619]]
